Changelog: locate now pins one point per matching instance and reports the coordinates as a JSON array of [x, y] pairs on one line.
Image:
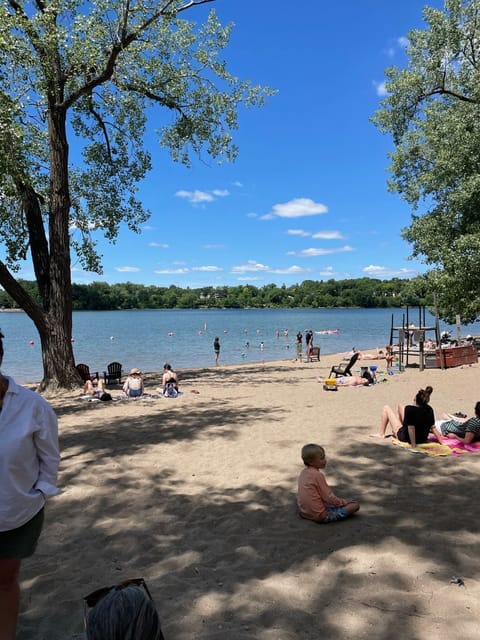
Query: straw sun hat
[[135, 370]]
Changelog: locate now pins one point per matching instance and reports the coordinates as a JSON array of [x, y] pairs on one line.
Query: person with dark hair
[[465, 429], [216, 348], [298, 343], [412, 423], [123, 613], [308, 342], [29, 459], [169, 378]]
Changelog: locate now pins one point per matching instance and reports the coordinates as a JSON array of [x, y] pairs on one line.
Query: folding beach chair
[[342, 370]]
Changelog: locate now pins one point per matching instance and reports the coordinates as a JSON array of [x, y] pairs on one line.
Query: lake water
[[149, 338]]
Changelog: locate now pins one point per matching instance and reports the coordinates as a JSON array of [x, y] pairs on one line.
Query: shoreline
[[331, 359]]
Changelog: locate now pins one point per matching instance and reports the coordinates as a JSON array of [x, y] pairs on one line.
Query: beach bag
[[105, 397], [170, 391]]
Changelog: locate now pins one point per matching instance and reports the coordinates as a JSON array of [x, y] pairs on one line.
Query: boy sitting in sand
[[316, 501]]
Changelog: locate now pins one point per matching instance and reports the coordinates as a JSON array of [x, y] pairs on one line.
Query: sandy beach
[[197, 495]]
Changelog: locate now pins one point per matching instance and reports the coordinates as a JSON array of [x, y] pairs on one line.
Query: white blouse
[[29, 455]]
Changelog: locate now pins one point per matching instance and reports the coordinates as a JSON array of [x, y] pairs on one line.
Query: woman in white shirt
[[29, 458]]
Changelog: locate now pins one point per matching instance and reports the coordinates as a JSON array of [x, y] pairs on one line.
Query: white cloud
[[213, 246], [172, 272], [298, 232], [289, 270], [74, 226], [195, 197], [160, 245], [207, 268], [237, 183], [296, 208], [312, 252], [200, 197], [127, 269], [376, 271], [400, 43], [250, 266], [328, 272], [248, 279], [380, 88], [252, 215], [328, 235]]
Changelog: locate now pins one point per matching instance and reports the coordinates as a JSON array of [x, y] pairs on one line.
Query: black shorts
[[21, 542]]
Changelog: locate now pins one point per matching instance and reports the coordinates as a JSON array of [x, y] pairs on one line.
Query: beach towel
[[450, 447], [428, 448]]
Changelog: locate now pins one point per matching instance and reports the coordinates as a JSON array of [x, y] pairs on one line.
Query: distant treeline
[[361, 292]]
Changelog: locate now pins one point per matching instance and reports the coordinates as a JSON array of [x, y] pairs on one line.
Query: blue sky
[[307, 197]]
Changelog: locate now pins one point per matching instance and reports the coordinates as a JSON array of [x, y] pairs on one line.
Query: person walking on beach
[[29, 459], [316, 501], [216, 349]]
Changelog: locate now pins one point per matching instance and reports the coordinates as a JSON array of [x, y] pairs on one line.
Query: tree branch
[[101, 124], [29, 30], [446, 92], [37, 239], [125, 41], [18, 293]]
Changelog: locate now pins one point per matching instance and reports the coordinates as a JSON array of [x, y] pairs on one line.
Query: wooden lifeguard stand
[[410, 332]]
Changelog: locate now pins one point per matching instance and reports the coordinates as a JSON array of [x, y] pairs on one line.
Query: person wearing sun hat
[[133, 387]]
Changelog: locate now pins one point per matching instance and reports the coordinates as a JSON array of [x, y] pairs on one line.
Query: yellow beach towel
[[428, 448]]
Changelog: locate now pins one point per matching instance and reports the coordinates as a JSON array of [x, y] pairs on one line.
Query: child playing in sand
[[316, 501]]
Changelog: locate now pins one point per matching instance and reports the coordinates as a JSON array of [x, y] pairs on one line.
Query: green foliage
[[101, 68], [432, 113], [363, 292]]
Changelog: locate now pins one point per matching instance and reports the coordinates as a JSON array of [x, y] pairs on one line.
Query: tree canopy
[[103, 73], [432, 113], [360, 292]]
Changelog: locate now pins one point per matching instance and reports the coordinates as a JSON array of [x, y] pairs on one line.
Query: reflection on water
[[149, 338]]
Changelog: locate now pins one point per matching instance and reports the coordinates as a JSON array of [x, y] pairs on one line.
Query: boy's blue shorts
[[334, 514]]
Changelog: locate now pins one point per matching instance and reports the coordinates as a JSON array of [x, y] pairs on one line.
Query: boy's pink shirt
[[314, 494]]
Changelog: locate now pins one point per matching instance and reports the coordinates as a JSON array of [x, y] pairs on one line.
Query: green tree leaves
[[432, 113]]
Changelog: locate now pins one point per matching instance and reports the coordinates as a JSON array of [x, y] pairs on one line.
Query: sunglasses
[[94, 598]]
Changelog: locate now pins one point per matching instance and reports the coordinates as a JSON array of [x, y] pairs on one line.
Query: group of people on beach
[[29, 460], [134, 386], [411, 423]]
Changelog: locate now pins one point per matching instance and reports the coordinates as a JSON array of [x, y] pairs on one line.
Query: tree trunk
[[57, 354]]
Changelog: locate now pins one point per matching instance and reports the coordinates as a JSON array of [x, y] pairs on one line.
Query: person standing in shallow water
[[29, 458], [299, 345], [216, 348]]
